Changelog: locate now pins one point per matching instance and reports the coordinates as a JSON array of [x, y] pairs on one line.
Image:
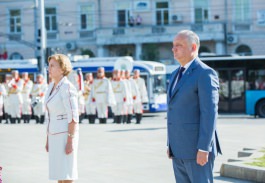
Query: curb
[[236, 168]]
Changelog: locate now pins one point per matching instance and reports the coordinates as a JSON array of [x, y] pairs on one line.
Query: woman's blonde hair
[[63, 61]]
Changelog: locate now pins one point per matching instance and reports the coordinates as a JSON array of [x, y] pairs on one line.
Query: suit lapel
[[172, 80], [47, 96], [56, 90], [185, 76]]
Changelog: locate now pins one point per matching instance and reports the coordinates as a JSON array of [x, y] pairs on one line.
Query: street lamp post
[[43, 37]]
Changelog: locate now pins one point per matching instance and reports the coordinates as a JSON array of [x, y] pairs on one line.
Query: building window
[[86, 17], [243, 50], [162, 13], [50, 19], [201, 11], [15, 21], [242, 11], [124, 15]]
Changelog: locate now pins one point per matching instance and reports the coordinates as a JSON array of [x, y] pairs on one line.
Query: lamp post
[[43, 37]]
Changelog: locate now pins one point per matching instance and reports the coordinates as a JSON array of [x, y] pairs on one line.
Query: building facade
[[143, 29]]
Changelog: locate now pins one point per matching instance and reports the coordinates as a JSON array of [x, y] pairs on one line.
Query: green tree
[[87, 52], [150, 52]]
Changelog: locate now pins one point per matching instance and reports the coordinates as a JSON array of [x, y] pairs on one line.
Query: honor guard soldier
[[120, 92], [26, 106], [133, 95], [138, 108], [89, 105], [8, 78], [128, 99], [76, 78], [38, 95], [2, 95], [15, 87], [102, 95]]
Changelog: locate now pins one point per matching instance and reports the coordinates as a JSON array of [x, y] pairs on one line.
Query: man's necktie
[[181, 70]]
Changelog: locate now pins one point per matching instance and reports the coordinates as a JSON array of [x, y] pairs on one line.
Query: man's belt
[[100, 92], [13, 92]]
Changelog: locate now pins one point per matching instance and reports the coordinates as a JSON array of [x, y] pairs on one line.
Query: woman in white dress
[[62, 121]]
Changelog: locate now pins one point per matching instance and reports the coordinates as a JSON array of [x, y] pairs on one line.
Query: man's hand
[[202, 158], [168, 154]]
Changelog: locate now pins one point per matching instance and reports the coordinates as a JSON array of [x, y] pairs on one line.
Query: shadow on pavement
[[142, 129], [226, 179]]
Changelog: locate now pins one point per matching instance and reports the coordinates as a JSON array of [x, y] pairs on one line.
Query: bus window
[[159, 84], [256, 80]]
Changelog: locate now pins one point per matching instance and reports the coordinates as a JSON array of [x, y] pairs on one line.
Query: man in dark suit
[[192, 113]]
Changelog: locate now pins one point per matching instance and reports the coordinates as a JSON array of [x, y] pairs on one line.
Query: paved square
[[117, 153]]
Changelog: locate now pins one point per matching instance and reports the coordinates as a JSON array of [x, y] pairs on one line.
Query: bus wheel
[[261, 109]]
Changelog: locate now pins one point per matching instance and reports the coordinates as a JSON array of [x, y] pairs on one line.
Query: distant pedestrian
[[131, 21], [139, 20]]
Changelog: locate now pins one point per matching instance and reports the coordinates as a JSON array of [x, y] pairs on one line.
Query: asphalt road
[[114, 153]]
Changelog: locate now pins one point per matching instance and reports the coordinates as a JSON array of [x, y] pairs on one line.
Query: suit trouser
[[102, 109], [39, 109], [1, 109], [119, 109], [26, 107], [138, 107], [15, 106], [90, 108], [130, 108], [188, 171]]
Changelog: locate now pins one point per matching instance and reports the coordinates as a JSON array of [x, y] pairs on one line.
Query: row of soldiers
[[122, 93], [19, 95], [20, 98]]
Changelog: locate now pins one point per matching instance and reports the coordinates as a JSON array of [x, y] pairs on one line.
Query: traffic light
[[39, 40]]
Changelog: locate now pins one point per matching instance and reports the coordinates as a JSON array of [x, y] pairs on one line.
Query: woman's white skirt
[[61, 165]]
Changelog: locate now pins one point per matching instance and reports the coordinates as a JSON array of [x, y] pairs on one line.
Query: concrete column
[[101, 51], [138, 51], [219, 48]]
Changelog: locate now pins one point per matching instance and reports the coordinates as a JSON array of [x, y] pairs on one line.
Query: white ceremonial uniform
[[134, 94], [15, 97], [38, 93], [73, 78], [6, 100], [26, 106], [103, 94], [120, 92], [2, 95], [61, 109], [143, 95], [90, 106]]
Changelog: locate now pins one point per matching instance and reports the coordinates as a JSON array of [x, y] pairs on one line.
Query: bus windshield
[[159, 83]]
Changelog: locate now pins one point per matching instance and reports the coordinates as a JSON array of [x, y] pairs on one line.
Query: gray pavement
[[118, 153]]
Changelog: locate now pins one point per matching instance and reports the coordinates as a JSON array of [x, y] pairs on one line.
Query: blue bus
[[154, 74], [26, 65], [242, 83]]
